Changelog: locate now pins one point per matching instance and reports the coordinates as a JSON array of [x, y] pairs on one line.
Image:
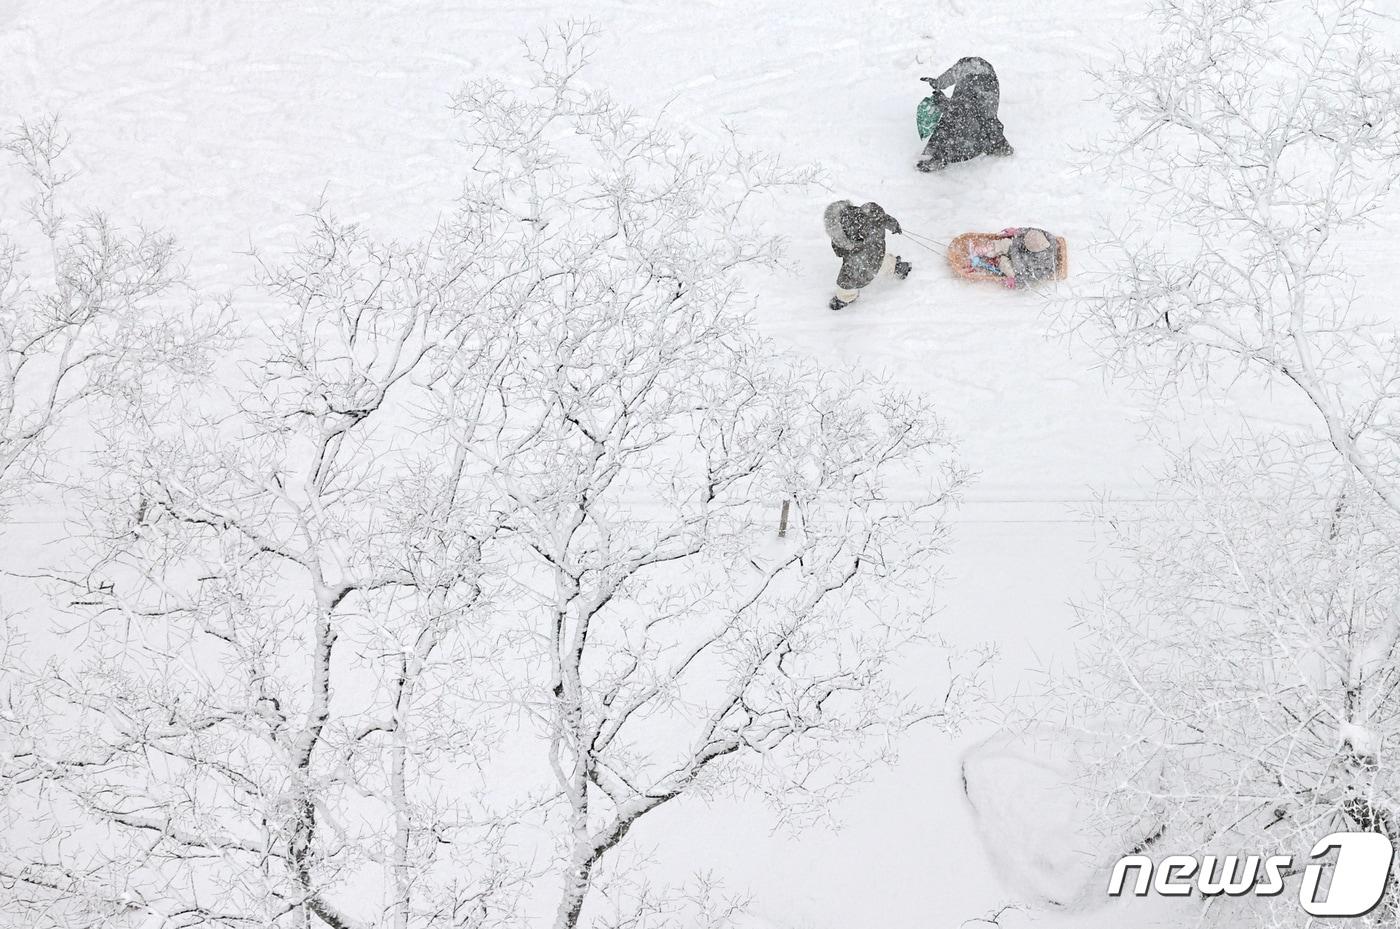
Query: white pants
[[886, 267]]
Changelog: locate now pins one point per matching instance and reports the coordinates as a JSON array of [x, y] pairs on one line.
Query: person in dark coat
[[1023, 256], [858, 237], [968, 124]]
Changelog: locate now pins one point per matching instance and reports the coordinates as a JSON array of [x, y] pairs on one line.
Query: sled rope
[[926, 248], [926, 243]]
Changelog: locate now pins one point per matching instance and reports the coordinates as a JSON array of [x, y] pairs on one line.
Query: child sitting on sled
[[1020, 255]]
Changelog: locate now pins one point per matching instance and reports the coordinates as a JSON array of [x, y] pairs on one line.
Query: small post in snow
[[782, 519]]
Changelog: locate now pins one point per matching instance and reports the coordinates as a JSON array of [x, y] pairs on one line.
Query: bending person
[[968, 123]]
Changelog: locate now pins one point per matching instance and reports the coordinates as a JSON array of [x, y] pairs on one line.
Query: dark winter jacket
[[1031, 266], [858, 237], [969, 125], [976, 75]]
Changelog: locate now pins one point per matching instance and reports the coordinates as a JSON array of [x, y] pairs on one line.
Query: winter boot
[[901, 268], [838, 304]]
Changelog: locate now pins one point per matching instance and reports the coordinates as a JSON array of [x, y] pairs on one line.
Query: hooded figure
[[1033, 255], [1023, 256], [968, 125], [858, 237]]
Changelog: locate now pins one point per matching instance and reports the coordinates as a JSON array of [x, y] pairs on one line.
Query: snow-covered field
[[225, 121]]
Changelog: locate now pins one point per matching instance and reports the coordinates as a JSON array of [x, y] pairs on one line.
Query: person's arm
[[943, 81], [875, 217], [948, 78], [1008, 272]]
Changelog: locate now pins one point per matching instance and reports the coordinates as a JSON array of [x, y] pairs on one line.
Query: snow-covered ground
[[224, 121]]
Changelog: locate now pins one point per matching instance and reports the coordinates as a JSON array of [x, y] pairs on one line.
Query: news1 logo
[[1359, 875]]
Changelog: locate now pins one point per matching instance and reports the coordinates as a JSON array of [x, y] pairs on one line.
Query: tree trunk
[[575, 890]]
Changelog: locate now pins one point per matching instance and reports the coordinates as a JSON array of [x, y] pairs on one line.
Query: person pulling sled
[[858, 238], [965, 125]]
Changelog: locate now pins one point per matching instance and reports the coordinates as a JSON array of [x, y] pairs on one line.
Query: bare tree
[[281, 583], [95, 321], [1260, 138], [676, 651], [1240, 671], [473, 566], [93, 314], [678, 654]]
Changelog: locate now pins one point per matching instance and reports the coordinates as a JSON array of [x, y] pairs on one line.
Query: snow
[[1019, 788], [1360, 740], [226, 120]]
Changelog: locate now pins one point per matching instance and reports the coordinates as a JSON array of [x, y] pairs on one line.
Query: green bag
[[930, 109]]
